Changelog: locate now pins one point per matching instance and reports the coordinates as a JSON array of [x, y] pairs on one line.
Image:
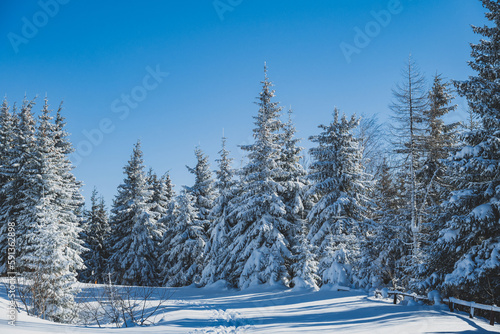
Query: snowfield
[[273, 310]]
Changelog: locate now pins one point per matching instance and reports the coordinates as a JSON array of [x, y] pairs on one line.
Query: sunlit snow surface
[[274, 310]]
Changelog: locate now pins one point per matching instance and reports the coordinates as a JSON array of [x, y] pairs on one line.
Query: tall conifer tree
[[260, 250], [218, 243], [51, 254], [469, 246], [203, 190], [184, 244], [133, 241], [340, 189], [96, 232], [7, 139]]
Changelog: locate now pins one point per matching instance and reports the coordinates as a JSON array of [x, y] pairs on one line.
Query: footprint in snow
[[219, 330], [229, 319]]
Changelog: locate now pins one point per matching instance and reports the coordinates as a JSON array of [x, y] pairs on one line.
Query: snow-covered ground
[[273, 310]]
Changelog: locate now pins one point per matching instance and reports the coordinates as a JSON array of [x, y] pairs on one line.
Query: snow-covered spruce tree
[[469, 246], [218, 244], [339, 188], [51, 248], [152, 185], [293, 176], [370, 134], [168, 222], [96, 231], [260, 251], [184, 243], [388, 248], [71, 200], [21, 193], [438, 141], [159, 198], [51, 290], [7, 138], [63, 144], [169, 191], [162, 193], [410, 101], [305, 267], [294, 185], [166, 197], [133, 241], [203, 190]]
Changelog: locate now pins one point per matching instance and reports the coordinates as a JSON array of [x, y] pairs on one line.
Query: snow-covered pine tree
[[169, 191], [410, 101], [7, 138], [156, 199], [388, 247], [370, 134], [51, 252], [218, 244], [7, 132], [162, 193], [169, 223], [293, 179], [203, 190], [294, 175], [295, 184], [184, 244], [51, 278], [151, 179], [21, 192], [438, 141], [70, 200], [61, 136], [96, 231], [166, 196], [63, 144], [339, 188], [260, 250], [133, 241], [469, 246], [305, 267]]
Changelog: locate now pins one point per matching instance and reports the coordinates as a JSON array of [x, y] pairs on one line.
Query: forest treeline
[[414, 208]]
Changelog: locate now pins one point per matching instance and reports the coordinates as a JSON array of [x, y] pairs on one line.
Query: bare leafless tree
[[122, 305], [371, 134], [410, 101]]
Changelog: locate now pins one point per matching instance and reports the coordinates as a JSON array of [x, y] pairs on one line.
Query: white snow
[[483, 211], [449, 235], [274, 310]]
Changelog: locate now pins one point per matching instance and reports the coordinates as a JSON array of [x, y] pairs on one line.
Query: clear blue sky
[[89, 53]]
